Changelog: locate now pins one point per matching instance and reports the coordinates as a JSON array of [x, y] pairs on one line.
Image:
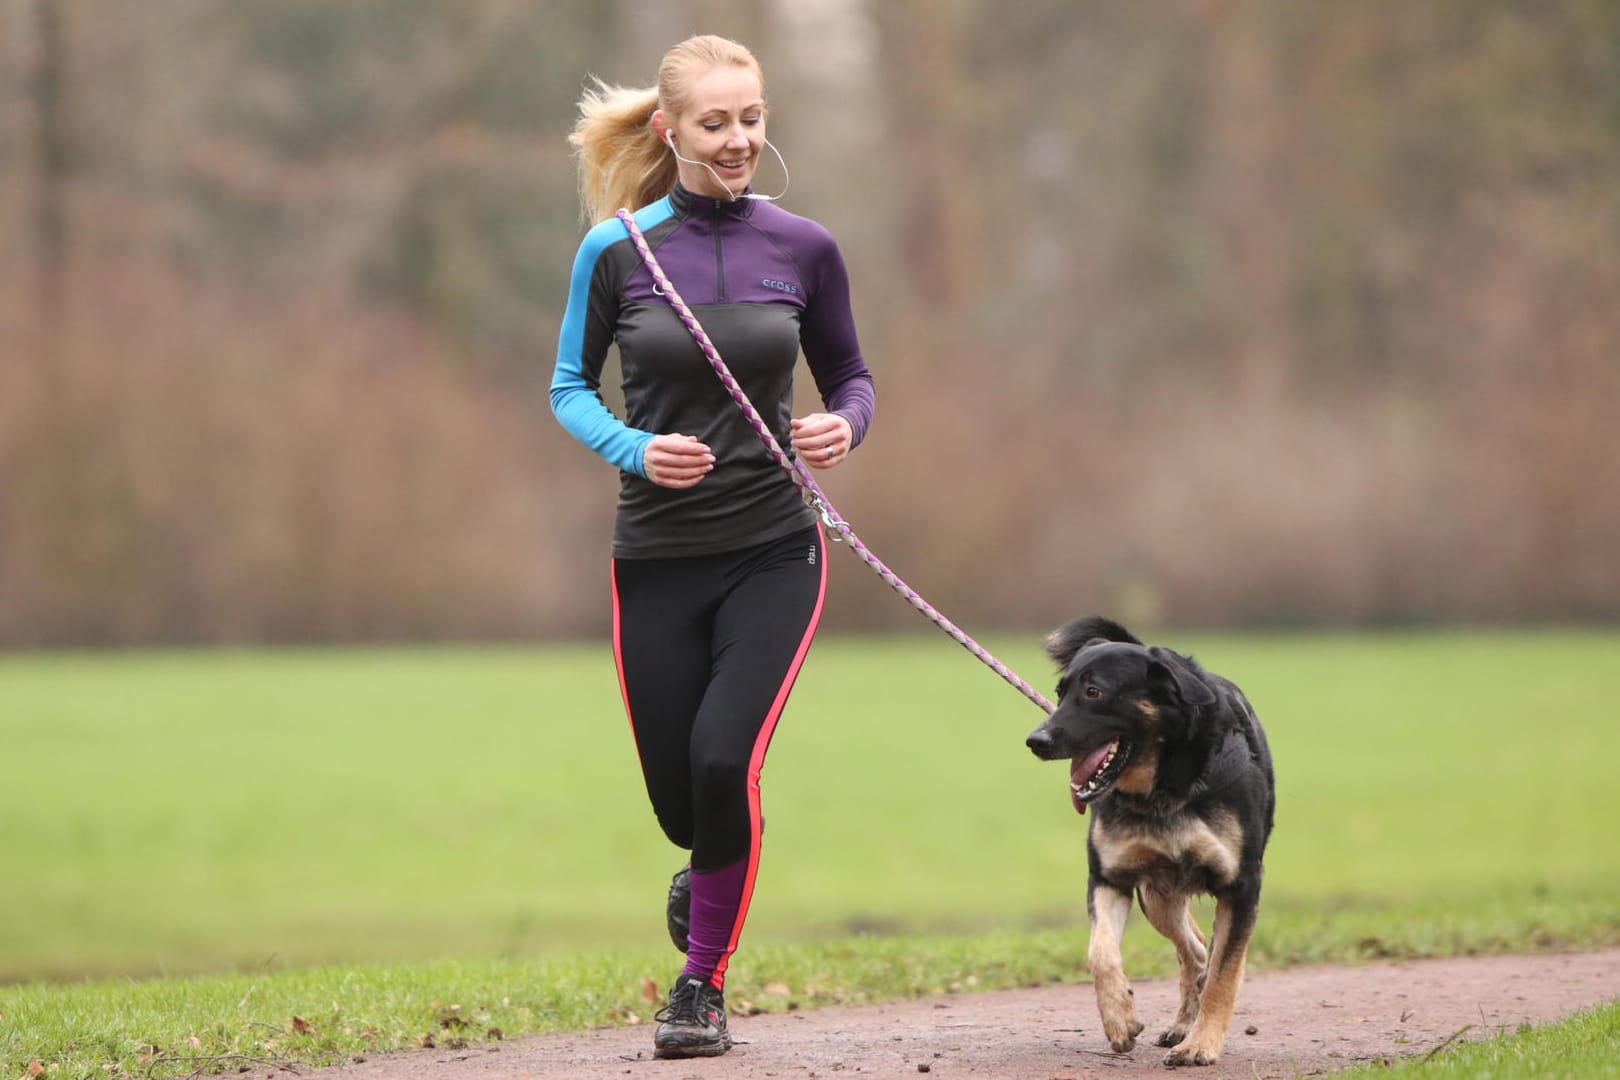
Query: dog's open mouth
[[1093, 773]]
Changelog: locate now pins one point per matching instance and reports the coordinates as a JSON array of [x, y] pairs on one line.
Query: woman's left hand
[[822, 440]]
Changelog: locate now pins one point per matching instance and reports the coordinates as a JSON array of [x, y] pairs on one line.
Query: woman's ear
[[660, 126]]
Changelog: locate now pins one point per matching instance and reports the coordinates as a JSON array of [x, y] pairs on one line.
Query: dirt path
[[1304, 1021]]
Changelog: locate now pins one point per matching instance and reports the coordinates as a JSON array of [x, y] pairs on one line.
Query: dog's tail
[[1063, 643]]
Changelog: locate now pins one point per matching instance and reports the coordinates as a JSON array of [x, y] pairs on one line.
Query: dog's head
[[1118, 701]]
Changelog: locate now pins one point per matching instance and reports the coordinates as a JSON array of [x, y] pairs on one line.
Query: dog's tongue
[[1081, 770], [1079, 807]]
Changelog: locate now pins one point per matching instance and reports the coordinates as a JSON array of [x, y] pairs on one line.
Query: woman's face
[[723, 126]]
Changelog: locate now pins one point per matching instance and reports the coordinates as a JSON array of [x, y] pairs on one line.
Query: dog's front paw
[[1122, 1034], [1171, 1036], [1185, 1053]]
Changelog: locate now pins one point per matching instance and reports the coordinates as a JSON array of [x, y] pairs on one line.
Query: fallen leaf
[[302, 1026], [426, 1042], [195, 1042], [777, 989], [495, 1033], [36, 1068], [649, 990]]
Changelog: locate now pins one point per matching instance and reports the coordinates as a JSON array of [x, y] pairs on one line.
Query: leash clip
[[828, 518]]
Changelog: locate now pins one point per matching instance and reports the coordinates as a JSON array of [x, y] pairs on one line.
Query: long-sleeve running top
[[764, 283]]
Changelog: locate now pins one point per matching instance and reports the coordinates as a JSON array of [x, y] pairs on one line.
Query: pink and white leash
[[809, 490]]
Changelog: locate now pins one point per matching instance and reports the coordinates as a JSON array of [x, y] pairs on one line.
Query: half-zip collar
[[712, 214], [685, 203]]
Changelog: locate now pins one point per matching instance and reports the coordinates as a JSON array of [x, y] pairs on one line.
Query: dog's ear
[[1064, 642], [1171, 669]]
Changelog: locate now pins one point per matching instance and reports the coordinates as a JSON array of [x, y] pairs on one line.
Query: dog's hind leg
[[1109, 908], [1170, 916], [1235, 914]]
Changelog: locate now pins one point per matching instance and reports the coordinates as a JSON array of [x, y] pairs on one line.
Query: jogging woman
[[718, 568]]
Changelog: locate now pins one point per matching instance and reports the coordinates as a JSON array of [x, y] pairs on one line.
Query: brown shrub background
[[1198, 313]]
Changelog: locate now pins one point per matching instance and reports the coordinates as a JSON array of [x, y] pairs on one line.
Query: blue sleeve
[[587, 331]]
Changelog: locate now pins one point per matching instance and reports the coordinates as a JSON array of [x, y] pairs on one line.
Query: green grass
[[467, 826], [1583, 1047]]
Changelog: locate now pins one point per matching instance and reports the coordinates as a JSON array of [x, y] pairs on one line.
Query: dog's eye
[[1092, 692]]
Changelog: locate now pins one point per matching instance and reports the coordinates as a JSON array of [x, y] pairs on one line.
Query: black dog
[[1176, 763]]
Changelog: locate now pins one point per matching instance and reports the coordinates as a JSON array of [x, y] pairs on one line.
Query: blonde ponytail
[[621, 162]]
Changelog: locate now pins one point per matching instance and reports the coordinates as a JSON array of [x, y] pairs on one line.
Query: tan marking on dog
[[1169, 915], [1138, 778], [1215, 846], [1227, 959], [1110, 909]]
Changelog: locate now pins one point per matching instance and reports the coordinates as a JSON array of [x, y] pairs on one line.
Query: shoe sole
[[703, 1050]]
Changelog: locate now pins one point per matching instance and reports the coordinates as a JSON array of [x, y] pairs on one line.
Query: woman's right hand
[[676, 461]]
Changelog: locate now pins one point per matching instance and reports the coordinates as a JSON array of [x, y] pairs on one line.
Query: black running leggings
[[707, 649]]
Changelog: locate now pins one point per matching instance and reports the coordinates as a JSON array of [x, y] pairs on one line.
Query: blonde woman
[[718, 568]]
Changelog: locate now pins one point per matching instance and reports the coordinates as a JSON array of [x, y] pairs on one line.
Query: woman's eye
[[711, 127]]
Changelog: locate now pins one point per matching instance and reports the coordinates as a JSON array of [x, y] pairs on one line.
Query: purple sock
[[716, 901]]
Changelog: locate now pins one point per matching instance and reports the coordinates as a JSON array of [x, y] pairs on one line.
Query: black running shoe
[[693, 1024], [678, 908]]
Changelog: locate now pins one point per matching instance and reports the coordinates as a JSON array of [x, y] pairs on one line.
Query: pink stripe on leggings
[[756, 763]]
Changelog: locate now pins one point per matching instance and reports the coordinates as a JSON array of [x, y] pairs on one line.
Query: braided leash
[[809, 490]]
